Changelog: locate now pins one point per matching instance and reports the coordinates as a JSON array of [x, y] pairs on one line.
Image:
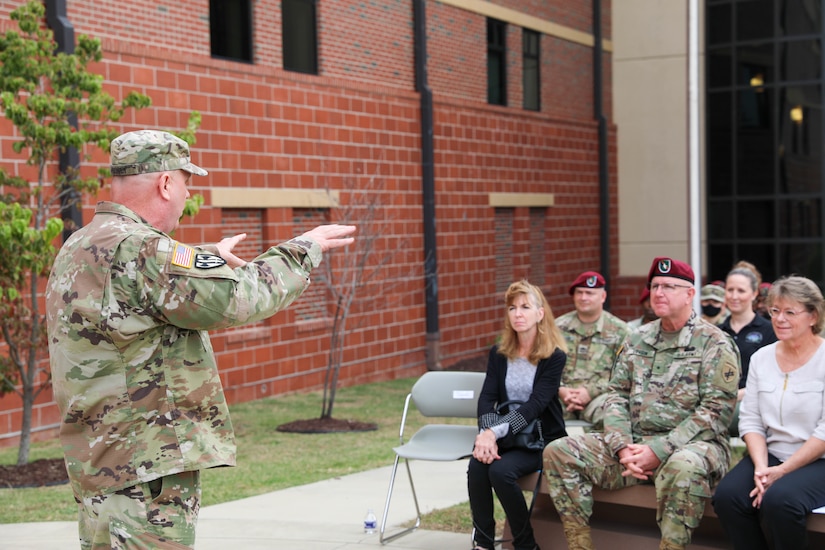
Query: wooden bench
[[625, 519]]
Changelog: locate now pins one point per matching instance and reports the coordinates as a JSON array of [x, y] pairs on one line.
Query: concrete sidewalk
[[327, 515]]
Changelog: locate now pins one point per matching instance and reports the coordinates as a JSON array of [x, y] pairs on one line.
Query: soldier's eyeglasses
[[789, 314], [667, 288]]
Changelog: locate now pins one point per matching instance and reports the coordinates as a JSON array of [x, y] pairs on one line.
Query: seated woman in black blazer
[[526, 366]]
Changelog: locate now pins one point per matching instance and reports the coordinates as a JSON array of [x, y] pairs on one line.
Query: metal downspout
[[69, 158], [427, 186], [604, 196]]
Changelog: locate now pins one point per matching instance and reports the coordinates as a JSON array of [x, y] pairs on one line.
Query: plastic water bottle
[[370, 522]]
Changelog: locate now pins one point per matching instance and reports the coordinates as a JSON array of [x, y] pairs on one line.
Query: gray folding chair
[[436, 394]]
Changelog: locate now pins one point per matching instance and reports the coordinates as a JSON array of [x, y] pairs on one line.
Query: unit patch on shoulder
[[183, 255], [727, 377], [208, 261]]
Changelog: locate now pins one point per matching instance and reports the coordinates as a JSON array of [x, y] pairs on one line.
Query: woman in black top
[[749, 330], [526, 365]]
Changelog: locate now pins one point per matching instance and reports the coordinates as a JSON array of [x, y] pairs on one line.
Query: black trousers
[[780, 522], [501, 476]]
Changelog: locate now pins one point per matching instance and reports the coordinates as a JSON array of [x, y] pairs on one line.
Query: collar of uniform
[[587, 329], [108, 207], [685, 334]]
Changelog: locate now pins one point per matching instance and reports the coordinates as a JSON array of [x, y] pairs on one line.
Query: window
[[496, 62], [300, 36], [531, 76], [765, 199], [230, 29]]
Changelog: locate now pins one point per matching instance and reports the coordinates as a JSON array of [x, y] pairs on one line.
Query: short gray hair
[[801, 290]]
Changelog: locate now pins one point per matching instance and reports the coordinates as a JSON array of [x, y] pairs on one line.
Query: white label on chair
[[463, 394]]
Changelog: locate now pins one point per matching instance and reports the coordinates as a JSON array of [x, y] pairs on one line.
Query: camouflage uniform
[[133, 369], [592, 350], [675, 394]]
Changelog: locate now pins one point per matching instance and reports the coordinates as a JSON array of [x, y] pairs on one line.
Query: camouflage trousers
[[593, 412], [158, 515], [575, 464]]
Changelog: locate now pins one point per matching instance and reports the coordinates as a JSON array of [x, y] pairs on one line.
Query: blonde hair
[[548, 335], [802, 290]]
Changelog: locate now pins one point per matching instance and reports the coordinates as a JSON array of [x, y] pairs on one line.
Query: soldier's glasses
[[667, 288], [789, 314]]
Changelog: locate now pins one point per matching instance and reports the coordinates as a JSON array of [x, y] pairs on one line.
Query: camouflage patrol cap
[[713, 292], [146, 151]]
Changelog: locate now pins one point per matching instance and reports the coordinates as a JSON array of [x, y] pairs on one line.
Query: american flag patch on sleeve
[[183, 256]]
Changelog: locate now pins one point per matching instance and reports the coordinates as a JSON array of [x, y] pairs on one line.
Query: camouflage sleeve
[[192, 288], [603, 366], [617, 425], [718, 381]]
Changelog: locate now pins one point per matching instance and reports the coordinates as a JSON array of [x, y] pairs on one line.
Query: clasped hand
[[486, 447], [762, 479], [639, 460], [576, 399]]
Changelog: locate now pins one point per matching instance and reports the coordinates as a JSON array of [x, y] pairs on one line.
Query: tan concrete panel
[[649, 28], [234, 197]]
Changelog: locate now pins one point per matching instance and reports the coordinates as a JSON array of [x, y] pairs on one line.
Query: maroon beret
[[668, 267], [645, 295], [588, 279]]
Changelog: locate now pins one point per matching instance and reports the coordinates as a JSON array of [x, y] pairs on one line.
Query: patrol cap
[[668, 267], [713, 292], [146, 151], [588, 279]]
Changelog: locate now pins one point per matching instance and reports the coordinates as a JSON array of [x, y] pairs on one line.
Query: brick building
[[307, 106]]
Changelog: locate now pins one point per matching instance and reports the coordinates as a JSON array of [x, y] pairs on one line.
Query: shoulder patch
[[183, 256], [727, 376], [208, 261]]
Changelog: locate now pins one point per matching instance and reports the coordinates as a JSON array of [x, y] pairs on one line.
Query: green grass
[[268, 460]]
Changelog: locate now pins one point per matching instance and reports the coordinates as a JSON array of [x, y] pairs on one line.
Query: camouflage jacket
[[592, 348], [665, 395], [133, 370]]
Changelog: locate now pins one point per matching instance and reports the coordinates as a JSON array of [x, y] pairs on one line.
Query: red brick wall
[[356, 122]]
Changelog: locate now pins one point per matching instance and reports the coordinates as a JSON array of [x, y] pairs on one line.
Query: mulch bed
[[37, 473], [326, 425], [473, 364]]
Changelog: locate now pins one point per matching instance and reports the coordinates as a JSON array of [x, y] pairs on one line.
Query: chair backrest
[[448, 393]]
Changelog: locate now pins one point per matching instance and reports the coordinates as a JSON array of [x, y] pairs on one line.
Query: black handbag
[[530, 438]]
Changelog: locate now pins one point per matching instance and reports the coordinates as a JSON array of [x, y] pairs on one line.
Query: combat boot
[[578, 536], [667, 545]]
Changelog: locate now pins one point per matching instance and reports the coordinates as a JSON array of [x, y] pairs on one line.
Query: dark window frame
[[299, 32], [774, 215], [531, 66], [496, 62], [231, 30]]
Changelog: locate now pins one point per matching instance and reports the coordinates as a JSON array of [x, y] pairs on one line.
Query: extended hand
[[331, 236], [225, 250]]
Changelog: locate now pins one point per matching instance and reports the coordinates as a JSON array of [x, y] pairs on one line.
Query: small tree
[[42, 93], [356, 266]]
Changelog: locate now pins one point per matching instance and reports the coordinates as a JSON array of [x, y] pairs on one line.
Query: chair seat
[[439, 442]]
